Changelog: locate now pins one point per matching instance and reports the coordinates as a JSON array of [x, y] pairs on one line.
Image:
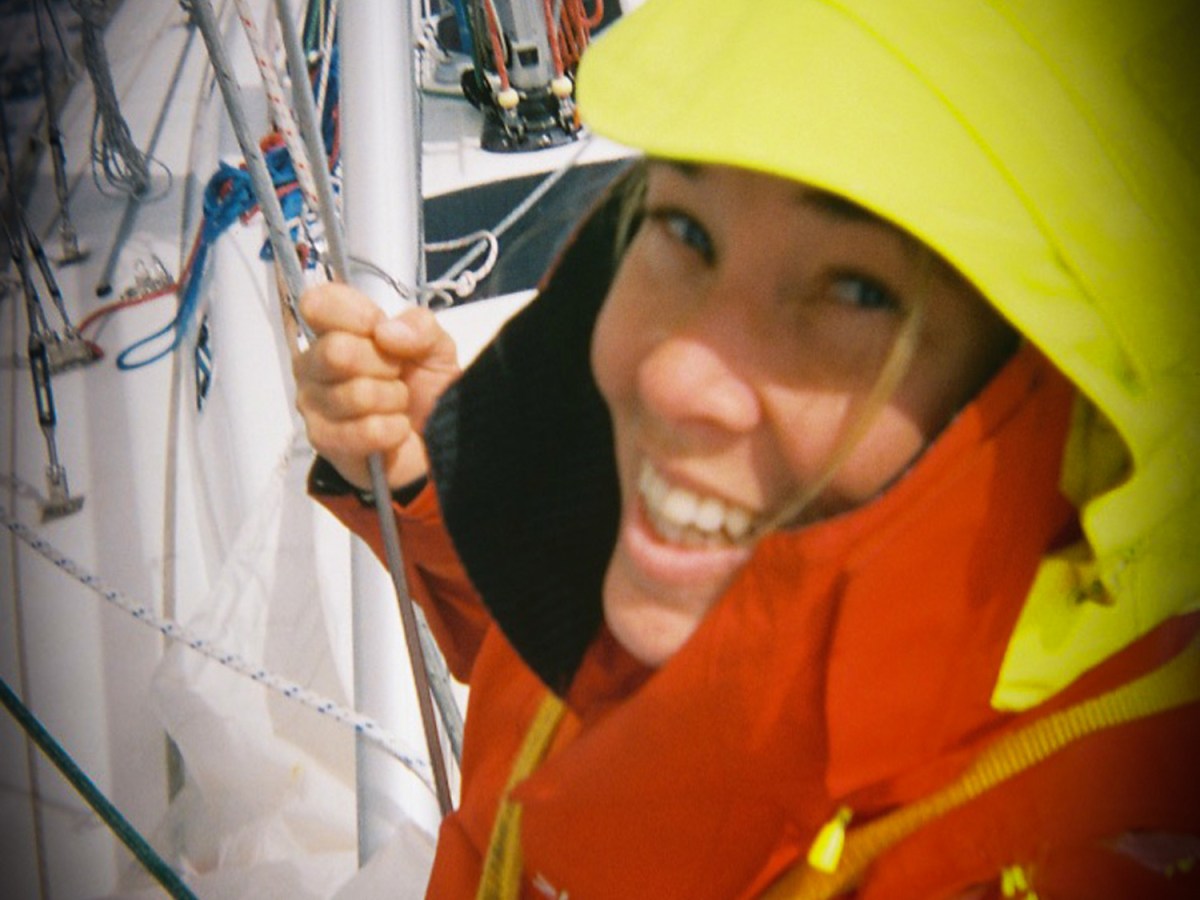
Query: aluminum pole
[[381, 194]]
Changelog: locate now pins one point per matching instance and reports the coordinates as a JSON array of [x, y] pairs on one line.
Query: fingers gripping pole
[[434, 666], [285, 256]]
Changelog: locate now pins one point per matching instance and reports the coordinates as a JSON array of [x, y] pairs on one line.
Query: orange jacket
[[851, 664]]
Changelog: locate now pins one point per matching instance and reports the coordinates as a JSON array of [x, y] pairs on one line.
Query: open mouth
[[687, 519]]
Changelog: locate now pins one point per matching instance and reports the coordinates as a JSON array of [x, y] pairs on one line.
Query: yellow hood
[[1050, 149]]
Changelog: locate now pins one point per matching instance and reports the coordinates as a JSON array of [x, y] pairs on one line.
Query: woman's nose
[[688, 379]]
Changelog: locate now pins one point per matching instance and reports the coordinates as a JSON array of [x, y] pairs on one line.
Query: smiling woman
[[743, 354], [840, 489]]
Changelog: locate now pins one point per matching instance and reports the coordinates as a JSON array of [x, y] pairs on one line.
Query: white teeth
[[737, 523], [680, 506], [681, 516], [710, 514]]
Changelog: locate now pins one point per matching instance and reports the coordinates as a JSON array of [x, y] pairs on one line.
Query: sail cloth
[[268, 804], [268, 800]]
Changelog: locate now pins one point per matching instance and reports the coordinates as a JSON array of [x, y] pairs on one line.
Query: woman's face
[[745, 328]]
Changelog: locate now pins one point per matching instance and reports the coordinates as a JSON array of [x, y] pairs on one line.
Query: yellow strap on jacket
[[501, 879], [1174, 684]]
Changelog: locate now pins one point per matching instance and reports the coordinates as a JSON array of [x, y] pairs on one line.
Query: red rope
[[126, 302], [497, 46], [552, 37], [575, 31]]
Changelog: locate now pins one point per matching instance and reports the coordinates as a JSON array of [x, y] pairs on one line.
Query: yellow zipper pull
[[1015, 883], [826, 850]]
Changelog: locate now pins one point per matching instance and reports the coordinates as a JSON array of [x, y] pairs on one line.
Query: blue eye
[[684, 229], [863, 293]]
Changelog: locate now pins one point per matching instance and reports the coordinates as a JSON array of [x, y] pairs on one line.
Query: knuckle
[[362, 396], [380, 432], [339, 352]]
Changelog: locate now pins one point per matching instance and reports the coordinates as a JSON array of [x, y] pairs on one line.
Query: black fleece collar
[[521, 453]]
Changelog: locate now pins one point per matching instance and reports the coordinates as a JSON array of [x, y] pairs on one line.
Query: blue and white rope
[[365, 726]]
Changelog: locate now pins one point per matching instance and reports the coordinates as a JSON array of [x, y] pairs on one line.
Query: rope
[[314, 146], [260, 177], [548, 8], [227, 196], [464, 284], [363, 726], [328, 52], [117, 823], [445, 289], [280, 111], [495, 35], [124, 165], [518, 211]]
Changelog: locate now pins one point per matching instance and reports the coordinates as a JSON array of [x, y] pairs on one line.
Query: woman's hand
[[366, 384]]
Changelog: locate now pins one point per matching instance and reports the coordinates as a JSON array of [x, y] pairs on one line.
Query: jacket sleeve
[[435, 576]]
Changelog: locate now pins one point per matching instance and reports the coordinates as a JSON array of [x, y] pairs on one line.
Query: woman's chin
[[651, 629]]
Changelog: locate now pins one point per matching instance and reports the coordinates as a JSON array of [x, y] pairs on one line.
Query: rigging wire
[[362, 725], [58, 158], [60, 502], [170, 880], [281, 113], [429, 668], [286, 258]]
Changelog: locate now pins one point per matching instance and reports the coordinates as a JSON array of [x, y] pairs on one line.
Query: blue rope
[[228, 196], [117, 823]]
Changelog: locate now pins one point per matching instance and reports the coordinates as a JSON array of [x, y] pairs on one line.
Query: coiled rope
[[229, 197], [124, 166]]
